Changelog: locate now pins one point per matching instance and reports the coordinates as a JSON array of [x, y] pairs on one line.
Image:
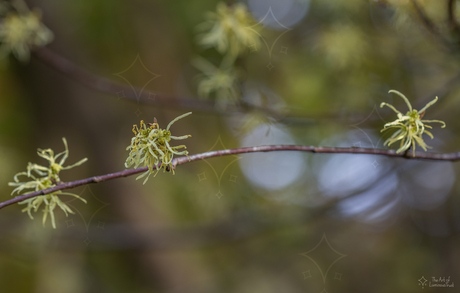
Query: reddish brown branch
[[267, 148]]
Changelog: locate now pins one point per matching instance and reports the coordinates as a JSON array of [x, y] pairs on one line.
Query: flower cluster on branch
[[410, 127], [150, 147], [42, 178]]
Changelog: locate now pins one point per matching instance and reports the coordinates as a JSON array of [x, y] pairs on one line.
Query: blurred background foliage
[[274, 222]]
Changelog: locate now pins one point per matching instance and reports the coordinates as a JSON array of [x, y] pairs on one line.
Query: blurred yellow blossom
[[220, 81], [21, 30], [230, 30], [343, 45]]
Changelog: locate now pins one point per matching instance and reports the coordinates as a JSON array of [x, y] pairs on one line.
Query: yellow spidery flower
[[43, 178], [150, 147], [410, 127]]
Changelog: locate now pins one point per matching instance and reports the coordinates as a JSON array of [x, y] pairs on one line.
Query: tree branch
[[443, 91], [429, 25], [105, 85], [135, 94], [451, 14], [256, 149]]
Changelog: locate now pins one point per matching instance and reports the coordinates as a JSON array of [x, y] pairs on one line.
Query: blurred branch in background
[[452, 41], [444, 90], [453, 24], [429, 25], [105, 85]]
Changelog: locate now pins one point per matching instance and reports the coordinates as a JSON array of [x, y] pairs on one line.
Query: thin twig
[[105, 85], [453, 24], [256, 149], [443, 91], [429, 25], [144, 96]]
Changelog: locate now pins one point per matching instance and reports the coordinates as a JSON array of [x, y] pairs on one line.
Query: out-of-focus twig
[[453, 24], [429, 25], [105, 85], [443, 91], [134, 94]]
